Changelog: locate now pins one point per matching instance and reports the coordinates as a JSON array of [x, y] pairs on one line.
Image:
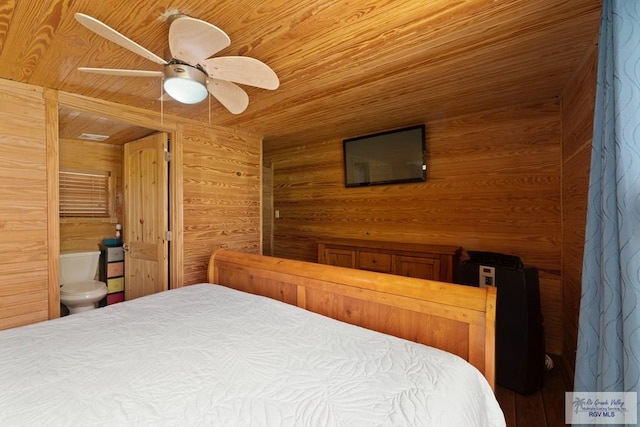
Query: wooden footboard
[[456, 318]]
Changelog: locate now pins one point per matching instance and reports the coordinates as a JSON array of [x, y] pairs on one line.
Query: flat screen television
[[391, 157]]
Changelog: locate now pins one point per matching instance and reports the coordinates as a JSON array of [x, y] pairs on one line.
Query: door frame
[[267, 209], [135, 116]]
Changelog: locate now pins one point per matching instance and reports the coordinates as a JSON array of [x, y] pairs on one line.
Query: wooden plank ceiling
[[346, 67]]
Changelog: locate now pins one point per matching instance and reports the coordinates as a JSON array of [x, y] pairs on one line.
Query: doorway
[[74, 121]]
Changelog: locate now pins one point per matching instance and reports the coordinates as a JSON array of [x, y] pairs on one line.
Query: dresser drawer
[[115, 298], [115, 269], [115, 253], [374, 261], [115, 285]]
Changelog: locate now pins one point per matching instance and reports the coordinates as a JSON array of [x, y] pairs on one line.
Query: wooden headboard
[[456, 318]]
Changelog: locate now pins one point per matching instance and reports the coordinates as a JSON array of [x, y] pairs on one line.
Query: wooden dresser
[[424, 261]]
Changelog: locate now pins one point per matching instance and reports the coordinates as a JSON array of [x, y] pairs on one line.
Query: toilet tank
[[78, 266]]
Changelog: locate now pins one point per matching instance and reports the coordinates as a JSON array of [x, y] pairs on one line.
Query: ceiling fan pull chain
[[162, 101]]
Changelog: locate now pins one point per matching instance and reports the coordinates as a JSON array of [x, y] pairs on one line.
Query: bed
[[268, 341]]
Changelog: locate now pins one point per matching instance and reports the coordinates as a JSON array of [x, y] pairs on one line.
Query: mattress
[[210, 355]]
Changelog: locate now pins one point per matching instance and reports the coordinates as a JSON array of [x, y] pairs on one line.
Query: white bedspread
[[208, 355]]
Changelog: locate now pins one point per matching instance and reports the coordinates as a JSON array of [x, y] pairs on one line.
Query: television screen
[[385, 158]]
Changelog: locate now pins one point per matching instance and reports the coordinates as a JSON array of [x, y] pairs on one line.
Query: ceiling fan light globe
[[185, 91], [185, 84]]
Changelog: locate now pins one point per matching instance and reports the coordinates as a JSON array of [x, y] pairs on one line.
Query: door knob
[[125, 247]]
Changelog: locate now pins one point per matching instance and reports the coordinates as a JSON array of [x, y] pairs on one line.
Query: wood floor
[[540, 409]]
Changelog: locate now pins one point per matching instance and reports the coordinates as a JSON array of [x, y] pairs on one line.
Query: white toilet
[[79, 291]]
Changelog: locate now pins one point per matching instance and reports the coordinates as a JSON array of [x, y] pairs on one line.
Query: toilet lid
[[82, 287]]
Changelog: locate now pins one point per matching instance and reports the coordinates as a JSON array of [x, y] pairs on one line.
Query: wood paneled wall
[[577, 128], [86, 234], [24, 246], [493, 185], [222, 187]]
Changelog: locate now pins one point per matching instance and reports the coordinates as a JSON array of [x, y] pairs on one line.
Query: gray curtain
[[608, 357]]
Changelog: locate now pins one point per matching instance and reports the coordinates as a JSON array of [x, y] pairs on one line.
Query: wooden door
[[146, 216], [340, 257], [418, 267]]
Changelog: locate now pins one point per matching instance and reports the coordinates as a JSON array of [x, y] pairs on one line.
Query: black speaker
[[520, 352]]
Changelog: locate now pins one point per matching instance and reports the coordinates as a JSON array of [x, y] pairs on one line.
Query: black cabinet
[[520, 353]]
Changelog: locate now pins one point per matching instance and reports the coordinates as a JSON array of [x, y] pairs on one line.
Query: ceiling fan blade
[[112, 35], [243, 70], [120, 72], [192, 40], [232, 96]]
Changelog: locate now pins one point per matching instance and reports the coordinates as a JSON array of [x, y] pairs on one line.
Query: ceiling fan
[[191, 74]]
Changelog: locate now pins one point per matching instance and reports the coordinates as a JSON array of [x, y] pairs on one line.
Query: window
[[85, 194]]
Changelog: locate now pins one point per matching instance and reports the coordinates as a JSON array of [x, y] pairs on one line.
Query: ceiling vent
[[93, 137]]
